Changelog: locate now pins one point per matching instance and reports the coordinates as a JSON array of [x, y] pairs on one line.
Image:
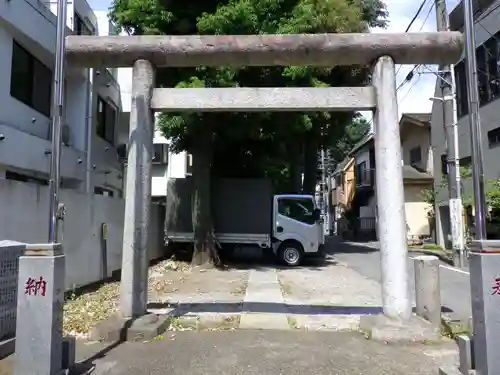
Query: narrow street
[[365, 259]]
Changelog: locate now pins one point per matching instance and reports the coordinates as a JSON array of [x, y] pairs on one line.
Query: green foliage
[[492, 190], [260, 143]]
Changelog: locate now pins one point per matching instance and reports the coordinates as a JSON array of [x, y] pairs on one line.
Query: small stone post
[[485, 297], [134, 290], [390, 194], [40, 300], [427, 293]]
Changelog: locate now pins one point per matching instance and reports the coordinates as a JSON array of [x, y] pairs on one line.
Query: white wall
[[24, 214], [418, 137]]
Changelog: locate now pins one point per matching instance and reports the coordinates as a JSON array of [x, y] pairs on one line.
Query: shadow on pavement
[[180, 309], [256, 263], [336, 245], [265, 308], [87, 365]]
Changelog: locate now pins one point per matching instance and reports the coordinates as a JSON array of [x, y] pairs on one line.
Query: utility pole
[[324, 192], [57, 121], [450, 118]]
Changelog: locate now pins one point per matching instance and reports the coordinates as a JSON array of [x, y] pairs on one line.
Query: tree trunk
[[204, 251], [311, 147]]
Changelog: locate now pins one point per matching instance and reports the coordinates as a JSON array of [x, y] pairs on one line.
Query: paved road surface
[[455, 289], [271, 352]]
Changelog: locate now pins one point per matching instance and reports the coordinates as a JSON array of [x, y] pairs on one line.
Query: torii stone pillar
[[134, 280]]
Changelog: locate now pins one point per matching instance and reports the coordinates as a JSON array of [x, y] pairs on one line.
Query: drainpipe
[[88, 131]]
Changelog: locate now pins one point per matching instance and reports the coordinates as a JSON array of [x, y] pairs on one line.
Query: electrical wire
[[414, 70], [412, 22], [427, 17]]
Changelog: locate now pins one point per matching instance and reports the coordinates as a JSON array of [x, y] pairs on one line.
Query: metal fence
[[10, 252]]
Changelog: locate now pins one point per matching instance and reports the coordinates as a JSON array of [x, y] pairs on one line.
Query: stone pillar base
[[118, 329], [382, 328]]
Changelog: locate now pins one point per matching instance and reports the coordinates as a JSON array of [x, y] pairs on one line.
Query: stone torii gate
[[382, 50]]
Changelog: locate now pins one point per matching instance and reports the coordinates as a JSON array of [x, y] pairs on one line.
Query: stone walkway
[[332, 297]]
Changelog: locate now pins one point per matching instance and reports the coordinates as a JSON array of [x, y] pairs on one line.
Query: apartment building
[[94, 137], [89, 159], [487, 35]]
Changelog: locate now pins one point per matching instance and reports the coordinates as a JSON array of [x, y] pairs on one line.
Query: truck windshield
[[300, 209]]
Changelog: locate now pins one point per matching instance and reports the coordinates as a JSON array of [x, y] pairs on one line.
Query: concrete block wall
[[24, 217]]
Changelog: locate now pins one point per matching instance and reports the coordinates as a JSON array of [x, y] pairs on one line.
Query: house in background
[[354, 191], [417, 164], [417, 157], [487, 36], [342, 193]]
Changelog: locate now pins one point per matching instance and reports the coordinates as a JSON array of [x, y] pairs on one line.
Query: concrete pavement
[[269, 352], [365, 259]]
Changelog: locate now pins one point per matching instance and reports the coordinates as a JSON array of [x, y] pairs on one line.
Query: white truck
[[247, 215]]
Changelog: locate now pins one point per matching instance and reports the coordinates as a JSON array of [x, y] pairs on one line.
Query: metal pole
[[474, 122], [447, 81], [57, 121], [324, 206]]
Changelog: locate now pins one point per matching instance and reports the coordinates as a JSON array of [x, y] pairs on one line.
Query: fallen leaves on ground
[[82, 312]]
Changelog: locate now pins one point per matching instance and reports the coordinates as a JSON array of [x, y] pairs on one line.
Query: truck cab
[[297, 228]]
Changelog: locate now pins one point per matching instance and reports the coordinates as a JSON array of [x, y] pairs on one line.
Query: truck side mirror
[[316, 214]]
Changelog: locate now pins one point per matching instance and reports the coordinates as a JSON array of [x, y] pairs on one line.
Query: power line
[[412, 21], [427, 16], [412, 72]]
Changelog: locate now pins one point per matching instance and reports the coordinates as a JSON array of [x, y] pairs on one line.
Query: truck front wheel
[[290, 253]]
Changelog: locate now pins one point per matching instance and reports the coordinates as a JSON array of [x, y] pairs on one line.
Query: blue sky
[[99, 4], [414, 96]]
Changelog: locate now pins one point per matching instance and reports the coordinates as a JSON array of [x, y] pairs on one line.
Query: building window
[[189, 164], [160, 153], [494, 138], [103, 191], [466, 161], [482, 75], [15, 176], [415, 155], [444, 165], [461, 83], [106, 120], [361, 174], [488, 73], [491, 47], [80, 28], [30, 80]]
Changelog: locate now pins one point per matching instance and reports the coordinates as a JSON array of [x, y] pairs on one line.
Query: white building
[[91, 168], [487, 34], [166, 164], [89, 160]]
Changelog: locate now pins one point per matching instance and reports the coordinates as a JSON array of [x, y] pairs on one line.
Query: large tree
[[278, 145]]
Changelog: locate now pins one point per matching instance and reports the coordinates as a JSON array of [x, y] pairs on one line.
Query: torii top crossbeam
[[325, 50]]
